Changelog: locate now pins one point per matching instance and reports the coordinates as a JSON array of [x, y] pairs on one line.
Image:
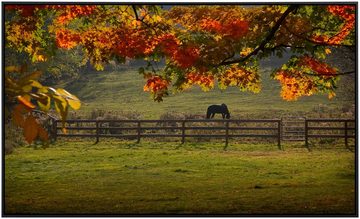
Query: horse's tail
[[208, 113]]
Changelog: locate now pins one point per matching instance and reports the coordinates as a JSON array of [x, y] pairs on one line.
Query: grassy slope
[[158, 178], [123, 90]]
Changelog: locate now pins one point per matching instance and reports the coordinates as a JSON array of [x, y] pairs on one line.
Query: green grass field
[[122, 90], [122, 177]]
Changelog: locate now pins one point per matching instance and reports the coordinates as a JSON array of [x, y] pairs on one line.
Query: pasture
[[122, 177], [122, 90]]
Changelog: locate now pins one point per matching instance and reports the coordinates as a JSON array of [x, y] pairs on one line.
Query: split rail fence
[[330, 128], [137, 129], [203, 129]]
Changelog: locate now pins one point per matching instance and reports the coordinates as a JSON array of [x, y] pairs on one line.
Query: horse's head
[[228, 116]]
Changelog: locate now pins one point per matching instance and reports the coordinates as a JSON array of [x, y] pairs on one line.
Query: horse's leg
[[212, 115], [223, 115]]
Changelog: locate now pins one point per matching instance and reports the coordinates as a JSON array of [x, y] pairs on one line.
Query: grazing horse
[[218, 109]]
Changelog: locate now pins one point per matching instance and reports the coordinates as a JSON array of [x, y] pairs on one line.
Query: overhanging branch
[[137, 17], [267, 38], [337, 74], [316, 42]]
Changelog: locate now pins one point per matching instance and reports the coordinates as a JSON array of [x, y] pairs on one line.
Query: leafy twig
[[266, 40]]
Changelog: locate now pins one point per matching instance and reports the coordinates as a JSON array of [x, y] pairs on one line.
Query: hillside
[[122, 90]]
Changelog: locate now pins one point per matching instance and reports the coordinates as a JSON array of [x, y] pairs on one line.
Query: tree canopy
[[201, 45]]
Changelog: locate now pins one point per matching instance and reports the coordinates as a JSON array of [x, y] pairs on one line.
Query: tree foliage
[[200, 45]]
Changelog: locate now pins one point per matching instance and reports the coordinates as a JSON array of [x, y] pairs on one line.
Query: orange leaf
[[31, 129], [17, 115], [25, 102]]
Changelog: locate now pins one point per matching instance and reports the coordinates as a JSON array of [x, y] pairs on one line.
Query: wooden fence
[[329, 128], [197, 128], [137, 129]]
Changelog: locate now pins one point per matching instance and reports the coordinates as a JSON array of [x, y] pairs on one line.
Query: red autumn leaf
[[67, 39]]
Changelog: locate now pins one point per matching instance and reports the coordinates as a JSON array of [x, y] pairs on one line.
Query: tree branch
[[135, 12], [137, 17], [267, 38], [337, 74], [315, 42]]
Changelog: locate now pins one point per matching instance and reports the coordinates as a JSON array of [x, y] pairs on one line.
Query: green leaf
[[141, 70]]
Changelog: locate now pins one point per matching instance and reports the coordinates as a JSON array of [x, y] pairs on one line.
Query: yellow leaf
[[44, 102], [331, 95], [217, 37], [75, 104], [157, 18], [327, 51], [40, 58], [60, 105], [73, 101], [31, 128], [246, 51]]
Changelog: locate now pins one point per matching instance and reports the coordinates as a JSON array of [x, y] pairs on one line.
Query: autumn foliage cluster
[[346, 13], [234, 29], [298, 81]]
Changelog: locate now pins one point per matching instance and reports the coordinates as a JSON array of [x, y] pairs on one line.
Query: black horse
[[213, 109]]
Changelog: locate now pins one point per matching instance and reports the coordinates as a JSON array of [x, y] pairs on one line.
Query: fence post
[[306, 135], [138, 131], [279, 134], [97, 132], [346, 134], [226, 134], [183, 132]]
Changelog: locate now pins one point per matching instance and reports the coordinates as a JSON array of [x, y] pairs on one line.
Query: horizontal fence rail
[[329, 128], [195, 128], [200, 128]]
